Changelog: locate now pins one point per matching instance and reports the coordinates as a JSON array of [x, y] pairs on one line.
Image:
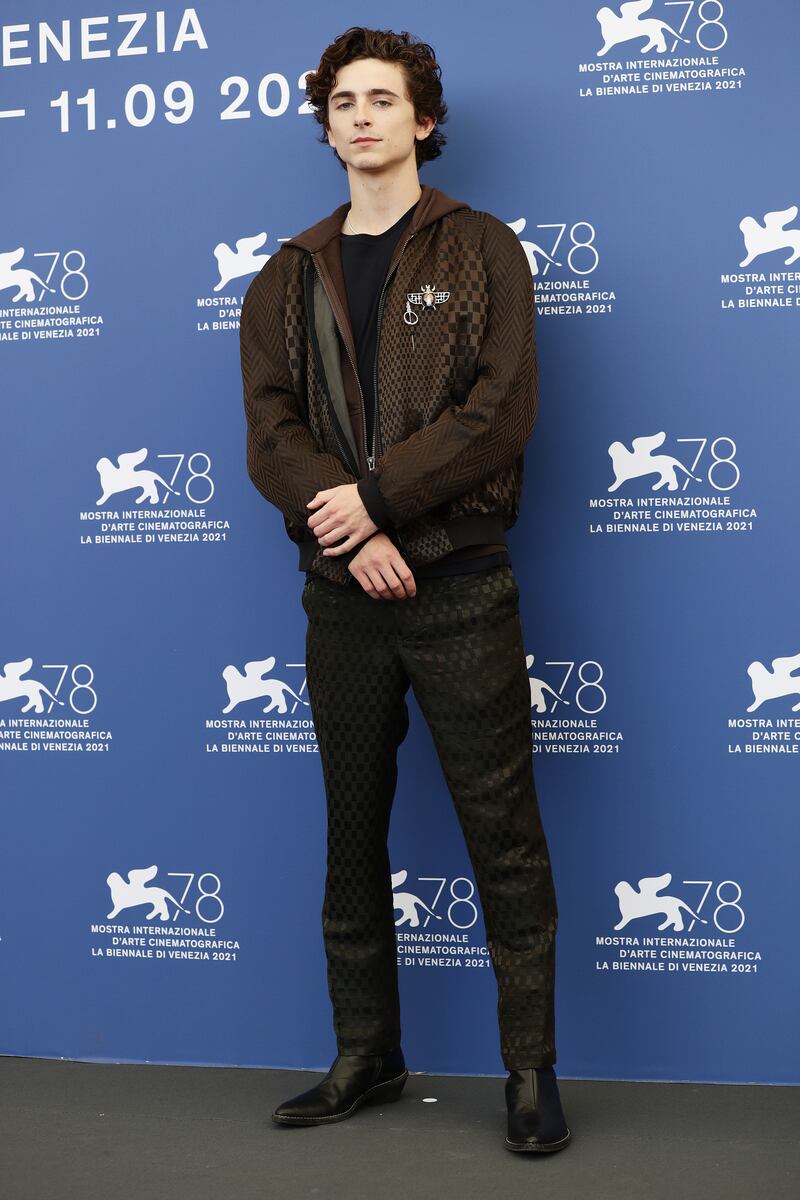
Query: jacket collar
[[432, 205]]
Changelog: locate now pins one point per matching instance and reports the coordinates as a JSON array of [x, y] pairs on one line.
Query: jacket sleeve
[[284, 460], [476, 439]]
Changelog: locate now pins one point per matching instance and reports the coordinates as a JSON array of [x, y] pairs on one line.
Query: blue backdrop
[[163, 822]]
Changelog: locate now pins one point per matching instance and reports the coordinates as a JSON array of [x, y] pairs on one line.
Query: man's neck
[[374, 209]]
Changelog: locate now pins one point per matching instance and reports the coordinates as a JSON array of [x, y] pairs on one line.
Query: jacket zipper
[[376, 422]]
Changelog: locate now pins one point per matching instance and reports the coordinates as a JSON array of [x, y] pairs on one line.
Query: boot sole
[[540, 1148], [380, 1093]]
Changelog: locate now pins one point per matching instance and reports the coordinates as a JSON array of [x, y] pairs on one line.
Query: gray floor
[[87, 1131]]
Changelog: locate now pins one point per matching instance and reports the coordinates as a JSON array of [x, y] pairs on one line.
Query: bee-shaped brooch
[[429, 298]]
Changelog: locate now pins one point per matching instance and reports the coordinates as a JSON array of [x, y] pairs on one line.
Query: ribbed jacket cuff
[[373, 501]]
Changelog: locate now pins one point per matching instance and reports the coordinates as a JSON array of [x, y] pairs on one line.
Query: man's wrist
[[373, 501], [350, 555]]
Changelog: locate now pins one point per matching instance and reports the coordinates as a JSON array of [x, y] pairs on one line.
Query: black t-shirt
[[365, 262]]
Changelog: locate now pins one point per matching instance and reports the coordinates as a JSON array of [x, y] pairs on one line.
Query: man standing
[[390, 386]]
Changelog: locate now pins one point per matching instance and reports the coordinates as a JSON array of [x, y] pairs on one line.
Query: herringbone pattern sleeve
[[283, 458], [472, 441]]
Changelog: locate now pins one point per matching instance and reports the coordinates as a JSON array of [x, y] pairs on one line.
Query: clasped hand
[[378, 566], [339, 513]]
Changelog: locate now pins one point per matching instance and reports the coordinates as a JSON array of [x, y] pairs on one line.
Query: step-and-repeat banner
[[163, 811]]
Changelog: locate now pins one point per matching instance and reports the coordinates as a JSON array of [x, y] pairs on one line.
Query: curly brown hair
[[420, 70]]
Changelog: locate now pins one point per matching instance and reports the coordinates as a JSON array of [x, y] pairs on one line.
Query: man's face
[[370, 101]]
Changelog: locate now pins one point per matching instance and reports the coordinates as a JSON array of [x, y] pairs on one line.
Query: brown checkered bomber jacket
[[457, 390]]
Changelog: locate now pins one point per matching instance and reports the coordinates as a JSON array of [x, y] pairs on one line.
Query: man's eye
[[346, 103]]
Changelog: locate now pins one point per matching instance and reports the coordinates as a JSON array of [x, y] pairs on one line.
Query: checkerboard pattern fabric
[[458, 643], [458, 391]]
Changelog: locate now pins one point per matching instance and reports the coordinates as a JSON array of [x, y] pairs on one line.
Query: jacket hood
[[432, 205]]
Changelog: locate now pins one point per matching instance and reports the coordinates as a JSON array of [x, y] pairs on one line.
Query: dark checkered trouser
[[459, 643]]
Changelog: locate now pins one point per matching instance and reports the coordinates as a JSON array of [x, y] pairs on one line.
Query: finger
[[315, 503], [351, 542], [367, 581], [394, 583], [379, 584], [395, 589], [320, 508], [324, 526], [407, 580]]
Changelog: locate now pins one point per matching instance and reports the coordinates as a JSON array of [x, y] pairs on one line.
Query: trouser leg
[[357, 686], [463, 649]]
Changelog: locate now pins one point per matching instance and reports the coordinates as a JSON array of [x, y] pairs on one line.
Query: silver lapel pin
[[428, 298]]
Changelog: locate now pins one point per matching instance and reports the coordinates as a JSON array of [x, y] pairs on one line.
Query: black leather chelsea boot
[[535, 1117], [353, 1080]]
